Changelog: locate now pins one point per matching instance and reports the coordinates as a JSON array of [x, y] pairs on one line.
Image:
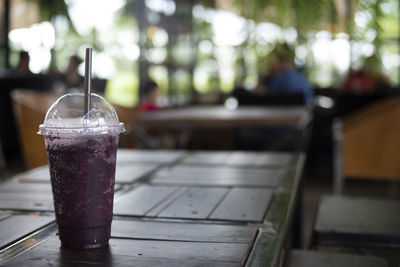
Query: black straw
[[88, 80]]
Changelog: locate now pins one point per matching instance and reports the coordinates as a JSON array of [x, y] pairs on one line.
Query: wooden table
[[228, 128], [219, 116], [190, 209]]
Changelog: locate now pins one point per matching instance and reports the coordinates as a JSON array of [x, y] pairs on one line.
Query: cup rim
[[104, 129]]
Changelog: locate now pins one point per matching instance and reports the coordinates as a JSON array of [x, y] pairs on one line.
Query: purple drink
[[82, 154], [82, 171]]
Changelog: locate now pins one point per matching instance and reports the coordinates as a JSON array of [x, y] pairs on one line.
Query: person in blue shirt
[[283, 77]]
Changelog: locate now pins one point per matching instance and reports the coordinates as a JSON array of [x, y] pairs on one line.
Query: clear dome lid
[[66, 116]]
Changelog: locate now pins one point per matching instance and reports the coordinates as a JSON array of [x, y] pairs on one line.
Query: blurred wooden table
[[171, 208], [219, 116]]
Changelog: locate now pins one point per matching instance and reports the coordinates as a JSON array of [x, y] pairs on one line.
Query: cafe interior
[[278, 120]]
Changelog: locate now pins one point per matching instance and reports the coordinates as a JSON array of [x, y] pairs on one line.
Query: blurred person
[[72, 77], [367, 79], [149, 94], [22, 67], [283, 77]]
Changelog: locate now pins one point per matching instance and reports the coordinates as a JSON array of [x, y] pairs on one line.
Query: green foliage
[[305, 14], [48, 9], [122, 90], [384, 22]]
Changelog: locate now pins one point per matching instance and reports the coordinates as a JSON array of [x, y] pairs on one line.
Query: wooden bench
[[305, 258], [359, 222]]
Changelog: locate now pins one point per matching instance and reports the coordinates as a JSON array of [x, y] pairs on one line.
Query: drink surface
[[82, 171]]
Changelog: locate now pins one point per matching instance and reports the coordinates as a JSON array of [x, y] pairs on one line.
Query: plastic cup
[[82, 154]]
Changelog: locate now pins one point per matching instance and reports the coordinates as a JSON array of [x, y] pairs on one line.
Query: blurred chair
[[8, 124], [127, 115], [304, 258], [30, 108], [357, 222], [134, 136], [367, 146]]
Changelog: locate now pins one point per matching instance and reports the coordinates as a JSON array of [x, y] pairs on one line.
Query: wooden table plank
[[17, 226], [124, 174], [130, 252], [307, 258], [21, 188], [224, 252], [4, 214], [177, 231], [357, 215], [258, 159], [142, 199], [160, 245], [37, 175], [128, 173], [239, 159], [26, 201], [32, 188], [273, 159], [206, 157], [219, 116], [244, 204], [148, 156], [219, 176], [195, 203], [273, 233], [167, 202], [67, 258]]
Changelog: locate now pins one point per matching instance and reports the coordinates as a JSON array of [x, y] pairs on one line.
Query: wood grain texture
[[183, 231], [30, 109], [22, 188], [273, 159], [221, 176], [38, 175], [26, 201], [206, 157], [239, 158], [4, 214], [128, 173], [244, 204], [125, 173], [151, 242], [340, 214], [128, 252], [154, 212], [142, 199], [148, 156], [219, 116], [195, 203], [17, 226], [303, 258], [371, 143]]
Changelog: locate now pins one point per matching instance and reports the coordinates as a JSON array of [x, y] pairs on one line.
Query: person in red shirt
[[367, 79], [150, 93]]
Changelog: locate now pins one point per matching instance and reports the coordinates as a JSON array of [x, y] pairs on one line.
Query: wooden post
[[337, 157], [140, 14], [6, 29]]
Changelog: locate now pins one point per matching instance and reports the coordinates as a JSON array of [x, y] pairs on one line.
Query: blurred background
[[199, 51], [215, 52], [195, 47]]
